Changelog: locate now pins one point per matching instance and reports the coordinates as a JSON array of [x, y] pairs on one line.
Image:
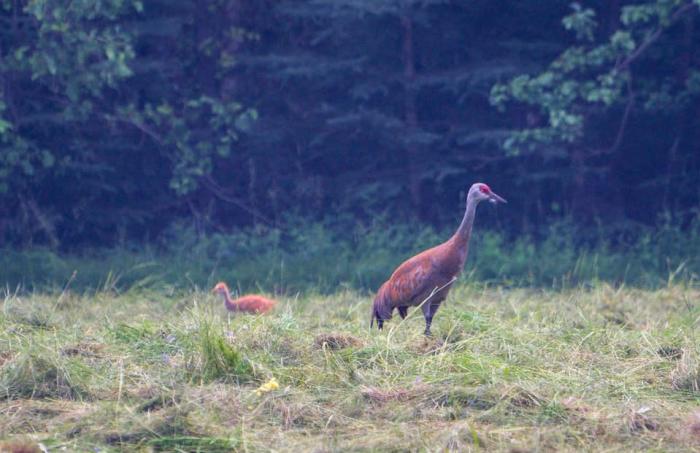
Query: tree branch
[[653, 37], [623, 125], [143, 128], [221, 194], [42, 221]]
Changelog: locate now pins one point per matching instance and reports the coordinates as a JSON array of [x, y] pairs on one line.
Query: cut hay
[[336, 341]]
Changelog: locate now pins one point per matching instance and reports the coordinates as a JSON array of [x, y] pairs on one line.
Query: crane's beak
[[493, 198]]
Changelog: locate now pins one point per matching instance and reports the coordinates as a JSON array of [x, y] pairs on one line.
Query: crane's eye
[[484, 189]]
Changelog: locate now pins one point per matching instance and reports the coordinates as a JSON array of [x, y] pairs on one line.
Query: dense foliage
[[121, 118], [321, 257]]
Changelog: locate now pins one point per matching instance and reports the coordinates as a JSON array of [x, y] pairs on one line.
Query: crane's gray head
[[481, 192]]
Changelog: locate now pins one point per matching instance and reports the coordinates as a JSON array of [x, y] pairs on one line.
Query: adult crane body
[[427, 277]]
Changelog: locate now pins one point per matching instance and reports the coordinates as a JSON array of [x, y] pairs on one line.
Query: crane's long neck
[[228, 301], [464, 232]]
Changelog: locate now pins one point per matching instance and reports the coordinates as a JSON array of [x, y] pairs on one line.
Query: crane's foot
[[428, 323]]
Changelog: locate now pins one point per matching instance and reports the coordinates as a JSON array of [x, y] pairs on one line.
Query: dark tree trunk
[[580, 197], [613, 16], [686, 123], [252, 182], [411, 115], [229, 84]]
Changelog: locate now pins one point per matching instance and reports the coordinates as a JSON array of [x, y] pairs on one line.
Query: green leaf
[[623, 41], [4, 126], [47, 159], [165, 109], [50, 64], [581, 21]]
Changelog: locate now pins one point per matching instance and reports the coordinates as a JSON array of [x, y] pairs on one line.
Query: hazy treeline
[[121, 118]]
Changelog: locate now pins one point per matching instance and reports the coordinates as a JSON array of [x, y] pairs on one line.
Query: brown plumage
[[428, 276], [251, 303]]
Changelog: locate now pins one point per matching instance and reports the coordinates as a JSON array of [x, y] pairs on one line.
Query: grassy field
[[601, 368]]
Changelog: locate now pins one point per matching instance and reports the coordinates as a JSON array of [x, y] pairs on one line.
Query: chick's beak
[[494, 198]]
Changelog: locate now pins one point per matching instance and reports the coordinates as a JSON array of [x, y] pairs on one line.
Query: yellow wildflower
[[269, 386]]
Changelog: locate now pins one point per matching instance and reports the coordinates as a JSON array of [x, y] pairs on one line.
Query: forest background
[[305, 144]]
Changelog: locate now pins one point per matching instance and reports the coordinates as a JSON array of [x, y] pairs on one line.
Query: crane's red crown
[[484, 189], [221, 286]]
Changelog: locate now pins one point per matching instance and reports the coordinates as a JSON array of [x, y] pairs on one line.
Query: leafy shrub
[[323, 255]]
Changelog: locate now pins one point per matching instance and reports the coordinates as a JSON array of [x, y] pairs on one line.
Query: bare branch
[[143, 128], [221, 194], [623, 125], [43, 221]]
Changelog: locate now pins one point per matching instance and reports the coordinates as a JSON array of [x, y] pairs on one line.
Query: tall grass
[[325, 255], [602, 368]]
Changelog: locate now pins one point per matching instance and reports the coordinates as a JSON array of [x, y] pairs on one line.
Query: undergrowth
[[324, 256], [583, 369]]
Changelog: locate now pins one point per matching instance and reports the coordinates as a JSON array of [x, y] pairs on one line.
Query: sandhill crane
[[251, 303], [427, 277]]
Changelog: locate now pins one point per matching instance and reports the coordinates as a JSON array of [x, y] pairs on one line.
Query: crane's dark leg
[[429, 310], [428, 315], [403, 311]]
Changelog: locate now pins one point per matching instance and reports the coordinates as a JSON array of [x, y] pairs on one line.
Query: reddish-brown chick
[[251, 303]]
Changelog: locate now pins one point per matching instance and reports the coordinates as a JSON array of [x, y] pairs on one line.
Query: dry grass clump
[[37, 415], [19, 446], [297, 412], [575, 405], [692, 427], [336, 341], [640, 419], [670, 352], [85, 349], [41, 375], [475, 398], [5, 357], [686, 375], [382, 396], [465, 437], [519, 397], [428, 345]]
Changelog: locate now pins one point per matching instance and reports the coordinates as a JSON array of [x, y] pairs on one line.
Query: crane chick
[[427, 277], [251, 303]]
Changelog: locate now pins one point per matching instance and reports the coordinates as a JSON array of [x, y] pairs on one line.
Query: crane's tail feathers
[[381, 310]]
